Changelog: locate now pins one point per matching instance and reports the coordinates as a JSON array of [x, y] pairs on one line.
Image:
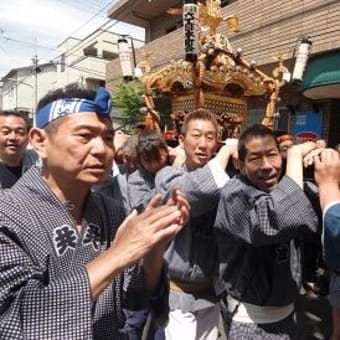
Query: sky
[[29, 27]]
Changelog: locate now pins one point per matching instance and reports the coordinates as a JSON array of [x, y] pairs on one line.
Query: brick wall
[[268, 29]]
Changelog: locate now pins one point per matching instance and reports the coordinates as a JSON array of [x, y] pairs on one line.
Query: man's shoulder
[[239, 190], [170, 170], [108, 185], [136, 175], [332, 212], [99, 198], [31, 157], [31, 153], [109, 210], [106, 204], [140, 176], [6, 197], [11, 207], [287, 187], [18, 192], [236, 182], [167, 175]]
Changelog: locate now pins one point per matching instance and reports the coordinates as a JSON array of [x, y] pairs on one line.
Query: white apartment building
[[85, 60], [22, 87], [80, 61]]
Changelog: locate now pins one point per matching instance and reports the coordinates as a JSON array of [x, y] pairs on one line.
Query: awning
[[322, 77]]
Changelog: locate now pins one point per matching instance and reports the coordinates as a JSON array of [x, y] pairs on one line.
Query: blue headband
[[102, 104]]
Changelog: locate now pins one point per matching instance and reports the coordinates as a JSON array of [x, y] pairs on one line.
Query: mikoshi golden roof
[[219, 73]]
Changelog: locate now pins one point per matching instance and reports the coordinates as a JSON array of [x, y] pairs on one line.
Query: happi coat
[[141, 189], [192, 256], [259, 237], [44, 287], [7, 178]]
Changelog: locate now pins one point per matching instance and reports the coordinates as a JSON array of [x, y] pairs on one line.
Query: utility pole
[[133, 54], [35, 72], [36, 69]]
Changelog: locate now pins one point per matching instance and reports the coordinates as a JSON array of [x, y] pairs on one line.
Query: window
[[62, 63], [281, 123], [284, 119], [254, 117], [90, 52], [109, 55], [173, 27]]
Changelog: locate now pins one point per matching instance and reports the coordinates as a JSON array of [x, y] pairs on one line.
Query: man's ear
[[237, 164], [241, 167], [39, 140], [181, 140]]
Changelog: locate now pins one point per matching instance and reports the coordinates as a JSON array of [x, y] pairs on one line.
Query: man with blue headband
[[69, 262]]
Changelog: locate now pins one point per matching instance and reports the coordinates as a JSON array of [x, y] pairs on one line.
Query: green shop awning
[[322, 77]]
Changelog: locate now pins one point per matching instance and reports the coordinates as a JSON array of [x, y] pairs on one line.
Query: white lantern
[[124, 57], [302, 56]]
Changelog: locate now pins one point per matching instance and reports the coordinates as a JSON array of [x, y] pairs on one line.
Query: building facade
[[84, 61], [268, 30], [23, 87]]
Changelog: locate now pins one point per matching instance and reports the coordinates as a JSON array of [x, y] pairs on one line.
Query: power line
[[87, 4], [80, 6], [100, 30], [92, 38], [8, 54], [88, 70], [26, 42], [94, 16], [94, 5], [52, 48]]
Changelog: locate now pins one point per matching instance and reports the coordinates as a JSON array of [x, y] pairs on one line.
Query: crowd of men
[[100, 232]]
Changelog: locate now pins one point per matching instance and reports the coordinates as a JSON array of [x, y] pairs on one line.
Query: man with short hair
[[14, 158], [63, 258], [285, 141], [153, 155], [259, 230], [192, 257]]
